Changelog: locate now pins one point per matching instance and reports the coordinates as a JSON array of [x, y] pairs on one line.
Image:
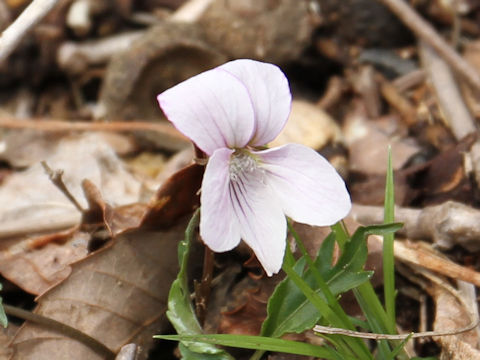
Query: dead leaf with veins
[[116, 295]]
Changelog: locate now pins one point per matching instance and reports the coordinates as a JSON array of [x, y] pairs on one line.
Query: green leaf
[[180, 310], [325, 254], [262, 343], [187, 354], [289, 311], [3, 316]]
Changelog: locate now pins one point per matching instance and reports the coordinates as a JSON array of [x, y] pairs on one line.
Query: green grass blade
[[388, 255], [261, 343]]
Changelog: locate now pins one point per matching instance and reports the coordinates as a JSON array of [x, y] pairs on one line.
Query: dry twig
[[448, 95], [447, 224], [76, 57], [12, 36], [427, 33], [169, 137]]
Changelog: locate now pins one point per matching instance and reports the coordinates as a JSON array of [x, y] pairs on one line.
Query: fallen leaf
[[308, 125], [368, 144], [450, 315], [34, 268], [116, 295], [32, 204]]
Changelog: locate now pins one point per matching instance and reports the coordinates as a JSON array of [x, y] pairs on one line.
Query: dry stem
[[446, 224], [12, 36], [427, 33]]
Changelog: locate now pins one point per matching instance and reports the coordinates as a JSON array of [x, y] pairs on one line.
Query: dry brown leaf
[[451, 314], [116, 220], [248, 306], [31, 203], [308, 125], [35, 269], [179, 195], [117, 295], [368, 144], [6, 336]]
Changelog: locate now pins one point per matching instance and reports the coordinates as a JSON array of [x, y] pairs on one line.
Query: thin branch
[[448, 94], [427, 33], [171, 139], [448, 224], [365, 335], [56, 177], [12, 36]]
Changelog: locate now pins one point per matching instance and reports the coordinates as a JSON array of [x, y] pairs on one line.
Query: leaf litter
[[116, 290]]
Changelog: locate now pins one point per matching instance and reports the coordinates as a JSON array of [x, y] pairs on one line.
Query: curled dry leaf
[[116, 220], [179, 195]]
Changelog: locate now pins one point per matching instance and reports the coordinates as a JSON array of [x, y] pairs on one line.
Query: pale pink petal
[[219, 227], [213, 109], [309, 188], [270, 94], [262, 222]]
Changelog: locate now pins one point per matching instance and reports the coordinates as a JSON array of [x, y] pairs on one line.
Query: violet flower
[[231, 113]]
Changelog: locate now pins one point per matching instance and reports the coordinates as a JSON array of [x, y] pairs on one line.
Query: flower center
[[241, 162]]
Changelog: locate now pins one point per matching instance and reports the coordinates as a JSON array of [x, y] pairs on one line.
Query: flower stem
[[202, 288]]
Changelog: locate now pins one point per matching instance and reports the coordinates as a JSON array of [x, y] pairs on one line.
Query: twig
[[4, 15], [61, 328], [420, 255], [451, 102], [57, 180], [401, 103], [12, 36], [364, 335], [428, 34], [448, 94], [410, 80], [169, 137], [447, 224], [190, 11], [77, 57]]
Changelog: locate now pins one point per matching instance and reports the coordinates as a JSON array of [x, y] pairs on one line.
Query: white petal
[[213, 109], [219, 227], [262, 222], [270, 93], [309, 188]]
